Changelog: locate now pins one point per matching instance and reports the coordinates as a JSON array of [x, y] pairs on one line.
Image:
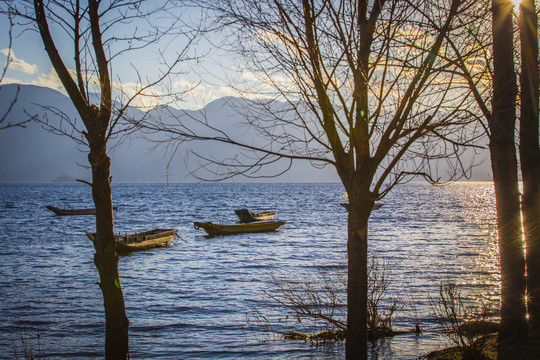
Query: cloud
[[49, 80], [184, 85], [8, 80], [144, 99], [19, 64], [196, 95]]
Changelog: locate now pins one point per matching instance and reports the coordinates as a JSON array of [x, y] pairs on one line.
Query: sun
[[516, 3]]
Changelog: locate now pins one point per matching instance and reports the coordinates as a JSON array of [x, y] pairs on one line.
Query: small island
[[63, 178]]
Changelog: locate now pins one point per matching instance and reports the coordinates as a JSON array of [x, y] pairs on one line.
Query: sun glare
[[516, 3]]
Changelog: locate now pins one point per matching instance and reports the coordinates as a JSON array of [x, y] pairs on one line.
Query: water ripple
[[191, 300]]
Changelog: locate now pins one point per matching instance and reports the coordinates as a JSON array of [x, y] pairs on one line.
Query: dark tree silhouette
[[491, 76], [504, 165], [363, 89], [100, 31], [530, 155]]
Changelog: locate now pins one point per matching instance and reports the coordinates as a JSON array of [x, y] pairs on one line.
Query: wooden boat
[[247, 216], [141, 241], [64, 212], [376, 206], [227, 229]]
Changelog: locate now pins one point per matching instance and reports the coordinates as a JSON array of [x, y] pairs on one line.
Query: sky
[[30, 64], [206, 76]]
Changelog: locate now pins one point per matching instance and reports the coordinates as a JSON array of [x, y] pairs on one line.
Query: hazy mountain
[[32, 154]]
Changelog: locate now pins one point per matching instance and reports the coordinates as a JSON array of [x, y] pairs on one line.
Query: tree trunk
[[96, 122], [357, 282], [105, 258], [513, 310], [504, 166], [530, 155]]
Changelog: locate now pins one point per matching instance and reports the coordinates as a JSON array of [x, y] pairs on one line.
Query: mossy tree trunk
[[96, 120], [105, 258]]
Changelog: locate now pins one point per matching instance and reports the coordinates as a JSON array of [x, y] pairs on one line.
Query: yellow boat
[[141, 241], [247, 216], [227, 229]]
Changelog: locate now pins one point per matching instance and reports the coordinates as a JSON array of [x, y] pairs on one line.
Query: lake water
[[193, 300]]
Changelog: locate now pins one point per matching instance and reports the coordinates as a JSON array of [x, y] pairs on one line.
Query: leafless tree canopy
[[310, 55], [128, 28], [368, 87]]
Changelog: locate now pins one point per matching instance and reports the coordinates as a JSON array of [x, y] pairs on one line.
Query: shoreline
[[511, 349]]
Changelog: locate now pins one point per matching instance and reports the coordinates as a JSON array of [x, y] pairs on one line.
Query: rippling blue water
[[192, 300]]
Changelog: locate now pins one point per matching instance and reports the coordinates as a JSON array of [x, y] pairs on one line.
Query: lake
[[194, 300]]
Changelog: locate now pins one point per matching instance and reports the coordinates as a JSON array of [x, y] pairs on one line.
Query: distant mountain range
[[33, 154]]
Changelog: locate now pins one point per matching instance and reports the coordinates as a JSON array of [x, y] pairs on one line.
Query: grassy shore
[[513, 349]]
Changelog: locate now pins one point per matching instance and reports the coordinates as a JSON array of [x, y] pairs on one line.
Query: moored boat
[[141, 241], [247, 216], [64, 212], [227, 229], [376, 206]]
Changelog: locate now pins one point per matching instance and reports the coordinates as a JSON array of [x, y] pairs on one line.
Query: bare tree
[[364, 91], [486, 60], [100, 32]]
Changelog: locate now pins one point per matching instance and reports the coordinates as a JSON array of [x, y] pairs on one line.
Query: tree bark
[[504, 166], [530, 155], [96, 122], [357, 282], [105, 258]]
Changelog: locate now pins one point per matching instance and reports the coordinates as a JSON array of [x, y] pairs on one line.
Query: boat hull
[[67, 212], [376, 206], [247, 216], [229, 229], [142, 241]]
